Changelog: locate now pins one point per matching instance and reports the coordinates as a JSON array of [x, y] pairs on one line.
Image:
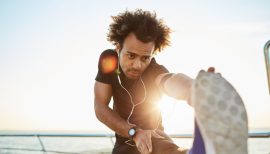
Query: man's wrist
[[132, 132]]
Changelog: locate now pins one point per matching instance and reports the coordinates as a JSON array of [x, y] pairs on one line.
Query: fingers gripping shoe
[[220, 114]]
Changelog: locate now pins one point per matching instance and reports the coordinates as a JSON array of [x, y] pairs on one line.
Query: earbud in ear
[[117, 71]]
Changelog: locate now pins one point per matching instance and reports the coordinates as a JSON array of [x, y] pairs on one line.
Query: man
[[131, 76]]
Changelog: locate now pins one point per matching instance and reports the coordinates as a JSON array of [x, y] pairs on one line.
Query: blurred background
[[49, 52]]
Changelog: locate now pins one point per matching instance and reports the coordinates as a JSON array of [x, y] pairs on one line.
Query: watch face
[[132, 131]]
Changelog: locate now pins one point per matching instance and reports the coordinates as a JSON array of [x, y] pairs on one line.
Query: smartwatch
[[132, 132]]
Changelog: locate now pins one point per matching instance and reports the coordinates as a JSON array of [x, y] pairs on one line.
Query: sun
[[177, 116]]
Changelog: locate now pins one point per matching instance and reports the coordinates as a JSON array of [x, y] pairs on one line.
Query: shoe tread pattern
[[220, 114]]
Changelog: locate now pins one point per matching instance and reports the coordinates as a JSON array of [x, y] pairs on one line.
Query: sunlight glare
[[177, 116]]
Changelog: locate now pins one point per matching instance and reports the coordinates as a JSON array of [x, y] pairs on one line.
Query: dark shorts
[[160, 146]]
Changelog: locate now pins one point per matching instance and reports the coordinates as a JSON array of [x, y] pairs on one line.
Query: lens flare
[[108, 64]]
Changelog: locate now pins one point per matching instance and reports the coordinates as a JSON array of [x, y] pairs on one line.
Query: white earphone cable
[[131, 100]]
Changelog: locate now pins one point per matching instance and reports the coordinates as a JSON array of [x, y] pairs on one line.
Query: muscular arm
[[177, 85], [103, 94]]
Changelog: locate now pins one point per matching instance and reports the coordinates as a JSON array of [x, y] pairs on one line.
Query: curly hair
[[143, 24]]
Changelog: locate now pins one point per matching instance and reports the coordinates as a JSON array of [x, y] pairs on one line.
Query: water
[[87, 145]]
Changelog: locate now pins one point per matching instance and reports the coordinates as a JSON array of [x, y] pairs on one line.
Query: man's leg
[[166, 145], [198, 144], [221, 119]]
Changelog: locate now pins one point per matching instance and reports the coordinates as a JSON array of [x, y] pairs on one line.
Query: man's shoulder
[[155, 65], [155, 69], [106, 66], [109, 52]]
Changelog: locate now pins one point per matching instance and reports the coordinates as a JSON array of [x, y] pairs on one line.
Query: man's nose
[[137, 64]]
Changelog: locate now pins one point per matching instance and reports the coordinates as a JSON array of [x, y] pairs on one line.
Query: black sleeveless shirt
[[145, 115]]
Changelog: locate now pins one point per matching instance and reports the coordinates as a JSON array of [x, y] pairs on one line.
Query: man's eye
[[146, 58], [131, 56]]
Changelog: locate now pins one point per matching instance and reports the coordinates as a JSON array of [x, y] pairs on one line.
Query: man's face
[[135, 56]]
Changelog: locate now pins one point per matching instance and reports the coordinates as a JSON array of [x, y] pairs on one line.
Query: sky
[[49, 52]]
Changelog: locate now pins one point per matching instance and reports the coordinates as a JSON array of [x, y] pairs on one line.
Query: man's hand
[[143, 140]]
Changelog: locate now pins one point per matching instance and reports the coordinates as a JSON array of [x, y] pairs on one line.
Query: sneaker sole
[[220, 114]]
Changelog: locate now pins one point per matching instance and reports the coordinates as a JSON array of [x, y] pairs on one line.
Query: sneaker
[[220, 115]]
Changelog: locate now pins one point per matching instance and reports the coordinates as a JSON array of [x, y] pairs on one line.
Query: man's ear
[[118, 48]]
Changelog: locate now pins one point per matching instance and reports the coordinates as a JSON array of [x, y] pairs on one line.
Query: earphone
[[131, 99]]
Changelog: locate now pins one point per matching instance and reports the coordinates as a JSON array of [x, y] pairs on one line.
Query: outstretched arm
[[177, 85]]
